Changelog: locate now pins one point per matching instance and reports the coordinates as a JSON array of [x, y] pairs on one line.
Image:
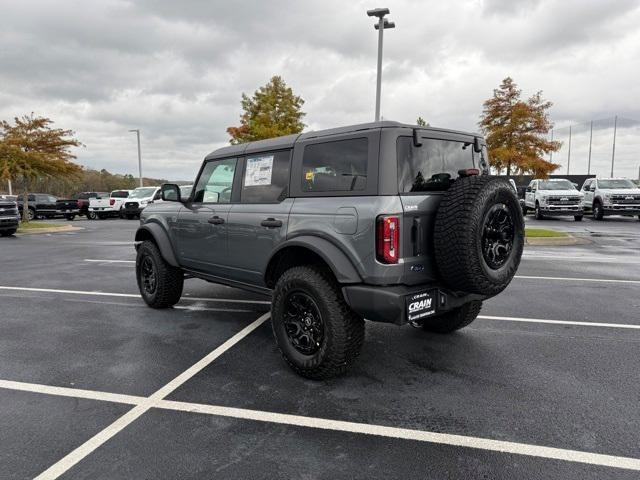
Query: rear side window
[[120, 194], [335, 166], [266, 177], [434, 165]]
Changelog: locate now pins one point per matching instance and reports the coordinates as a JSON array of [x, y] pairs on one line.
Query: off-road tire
[[8, 233], [169, 279], [458, 233], [343, 328], [538, 212], [598, 212], [578, 218], [453, 319]]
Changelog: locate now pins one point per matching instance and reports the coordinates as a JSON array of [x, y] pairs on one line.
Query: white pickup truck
[[138, 200], [556, 196], [108, 207], [611, 196]]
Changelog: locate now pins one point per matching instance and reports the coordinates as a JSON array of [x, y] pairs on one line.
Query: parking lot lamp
[[380, 26], [137, 131]]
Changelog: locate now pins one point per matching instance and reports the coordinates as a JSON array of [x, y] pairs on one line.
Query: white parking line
[[101, 437], [561, 322], [128, 295], [143, 404], [574, 279], [108, 261]]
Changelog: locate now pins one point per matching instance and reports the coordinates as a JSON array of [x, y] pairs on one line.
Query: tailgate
[[417, 237], [99, 203]]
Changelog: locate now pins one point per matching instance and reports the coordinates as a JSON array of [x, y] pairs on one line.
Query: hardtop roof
[[288, 141]]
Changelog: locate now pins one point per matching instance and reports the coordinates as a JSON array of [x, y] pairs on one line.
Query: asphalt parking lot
[[93, 384]]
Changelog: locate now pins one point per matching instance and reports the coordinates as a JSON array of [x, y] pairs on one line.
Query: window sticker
[[259, 170]]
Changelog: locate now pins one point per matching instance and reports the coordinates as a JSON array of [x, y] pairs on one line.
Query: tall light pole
[[382, 24], [137, 130]]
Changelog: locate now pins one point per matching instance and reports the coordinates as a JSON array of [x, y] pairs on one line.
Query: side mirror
[[592, 188], [528, 189], [170, 192], [477, 146], [574, 184]]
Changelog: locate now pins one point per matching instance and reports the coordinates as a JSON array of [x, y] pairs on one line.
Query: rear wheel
[[70, 217], [317, 333], [8, 233], [577, 218], [454, 319], [129, 216], [91, 215], [160, 284], [598, 211]]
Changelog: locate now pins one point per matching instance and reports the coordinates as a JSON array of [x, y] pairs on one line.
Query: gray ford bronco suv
[[380, 221]]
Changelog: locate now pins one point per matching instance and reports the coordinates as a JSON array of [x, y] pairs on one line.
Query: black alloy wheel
[[303, 322], [148, 275], [498, 233]]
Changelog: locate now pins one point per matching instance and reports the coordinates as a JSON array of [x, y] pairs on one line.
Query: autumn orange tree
[[31, 149], [272, 111], [516, 131]]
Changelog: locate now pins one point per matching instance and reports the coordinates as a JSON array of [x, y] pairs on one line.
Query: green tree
[[422, 122], [516, 131], [273, 111], [30, 150]]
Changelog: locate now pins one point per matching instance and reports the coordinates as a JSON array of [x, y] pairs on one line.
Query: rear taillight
[[388, 239], [112, 201]]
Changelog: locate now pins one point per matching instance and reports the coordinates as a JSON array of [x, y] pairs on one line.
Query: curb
[[557, 241], [64, 228]]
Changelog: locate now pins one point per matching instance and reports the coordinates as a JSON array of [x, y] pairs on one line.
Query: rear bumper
[[387, 304]]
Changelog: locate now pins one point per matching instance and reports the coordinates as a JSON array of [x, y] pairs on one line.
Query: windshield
[[143, 192], [622, 183], [557, 185]]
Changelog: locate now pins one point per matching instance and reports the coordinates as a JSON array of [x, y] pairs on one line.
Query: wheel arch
[[160, 237], [307, 250]]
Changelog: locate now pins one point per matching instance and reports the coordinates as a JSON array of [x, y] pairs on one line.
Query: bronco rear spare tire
[[479, 235]]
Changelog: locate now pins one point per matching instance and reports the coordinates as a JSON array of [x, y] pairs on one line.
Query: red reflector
[[388, 239], [112, 201], [467, 172]]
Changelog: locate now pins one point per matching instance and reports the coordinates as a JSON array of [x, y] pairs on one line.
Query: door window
[[266, 177], [335, 166], [216, 182]]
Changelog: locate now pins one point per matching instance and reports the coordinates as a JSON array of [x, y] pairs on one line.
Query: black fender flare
[[161, 237], [341, 266]]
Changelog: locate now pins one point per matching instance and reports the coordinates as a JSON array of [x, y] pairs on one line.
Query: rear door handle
[[271, 222], [216, 220]]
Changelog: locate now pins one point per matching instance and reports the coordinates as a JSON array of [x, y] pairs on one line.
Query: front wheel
[[524, 210], [577, 218], [70, 217], [539, 215], [160, 284], [8, 233], [598, 211], [454, 319], [129, 216], [317, 333], [31, 214]]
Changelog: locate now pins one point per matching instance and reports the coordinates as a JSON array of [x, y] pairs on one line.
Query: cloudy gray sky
[[176, 69]]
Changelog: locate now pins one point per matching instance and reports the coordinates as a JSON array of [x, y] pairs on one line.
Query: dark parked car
[[382, 221], [9, 219], [39, 205]]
